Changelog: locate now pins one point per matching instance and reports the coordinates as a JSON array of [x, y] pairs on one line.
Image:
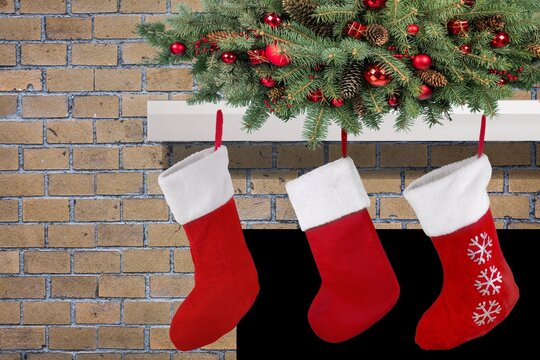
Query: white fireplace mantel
[[175, 121]]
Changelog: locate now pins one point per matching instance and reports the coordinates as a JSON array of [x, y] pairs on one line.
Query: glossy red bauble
[[316, 96], [339, 102], [376, 75], [469, 3], [465, 49], [268, 82], [276, 56], [421, 61], [458, 27], [272, 19], [500, 40], [374, 4], [426, 92], [228, 57], [392, 101], [177, 48], [413, 29]]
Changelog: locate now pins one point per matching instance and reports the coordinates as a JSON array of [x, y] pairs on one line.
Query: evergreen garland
[[328, 56]]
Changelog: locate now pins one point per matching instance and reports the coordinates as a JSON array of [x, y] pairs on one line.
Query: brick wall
[[91, 261]]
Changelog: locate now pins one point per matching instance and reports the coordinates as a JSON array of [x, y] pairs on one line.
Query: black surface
[[277, 323]]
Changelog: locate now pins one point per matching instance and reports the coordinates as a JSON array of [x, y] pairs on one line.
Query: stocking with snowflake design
[[478, 291], [199, 192], [358, 283]]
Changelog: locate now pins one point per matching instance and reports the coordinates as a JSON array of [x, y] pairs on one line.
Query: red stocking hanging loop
[[344, 143], [482, 136], [219, 129]]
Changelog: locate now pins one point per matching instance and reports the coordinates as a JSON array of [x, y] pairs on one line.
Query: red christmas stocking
[[478, 291], [199, 192], [358, 284]]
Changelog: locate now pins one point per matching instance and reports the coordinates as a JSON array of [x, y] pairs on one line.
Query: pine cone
[[216, 36], [358, 106], [432, 78], [351, 80], [491, 23], [377, 34], [276, 94], [534, 49], [302, 11]]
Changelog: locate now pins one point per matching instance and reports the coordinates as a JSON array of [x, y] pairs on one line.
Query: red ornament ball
[[500, 40], [228, 57], [465, 49], [268, 82], [421, 61], [392, 101], [177, 48], [501, 82], [376, 75], [316, 96], [469, 3], [339, 102], [458, 27], [272, 19], [426, 92], [413, 29], [374, 4], [276, 56]]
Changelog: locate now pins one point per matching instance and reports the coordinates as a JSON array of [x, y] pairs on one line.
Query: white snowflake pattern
[[487, 312], [478, 249], [489, 280]]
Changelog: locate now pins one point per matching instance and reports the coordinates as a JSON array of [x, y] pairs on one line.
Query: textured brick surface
[[69, 132], [145, 312], [121, 337], [72, 338], [97, 312], [94, 54], [121, 286], [22, 338], [92, 264], [45, 312], [9, 262], [54, 262], [120, 235], [10, 314]]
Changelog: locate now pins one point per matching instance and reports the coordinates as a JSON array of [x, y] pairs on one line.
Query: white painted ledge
[[175, 121]]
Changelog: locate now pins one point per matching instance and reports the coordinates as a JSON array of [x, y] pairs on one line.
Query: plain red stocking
[[358, 284], [199, 192], [478, 291]]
